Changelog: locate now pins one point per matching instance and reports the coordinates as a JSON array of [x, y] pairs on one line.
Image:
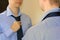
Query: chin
[[17, 6]]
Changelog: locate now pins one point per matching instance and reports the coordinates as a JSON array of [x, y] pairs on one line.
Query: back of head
[[46, 5], [55, 2]]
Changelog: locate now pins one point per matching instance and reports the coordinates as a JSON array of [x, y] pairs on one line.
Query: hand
[[16, 26]]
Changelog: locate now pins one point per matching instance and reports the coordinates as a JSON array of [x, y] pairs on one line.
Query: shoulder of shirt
[[33, 29], [47, 23], [3, 13]]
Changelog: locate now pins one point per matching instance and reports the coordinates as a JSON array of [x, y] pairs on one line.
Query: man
[[49, 27], [13, 24]]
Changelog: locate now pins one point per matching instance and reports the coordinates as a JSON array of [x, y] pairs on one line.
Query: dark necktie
[[19, 32]]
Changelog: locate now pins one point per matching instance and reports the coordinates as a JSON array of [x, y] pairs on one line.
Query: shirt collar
[[52, 10], [9, 12]]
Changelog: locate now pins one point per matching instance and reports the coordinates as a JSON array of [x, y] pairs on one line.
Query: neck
[[14, 10], [50, 7]]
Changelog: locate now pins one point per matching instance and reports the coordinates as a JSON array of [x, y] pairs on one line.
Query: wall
[[31, 8]]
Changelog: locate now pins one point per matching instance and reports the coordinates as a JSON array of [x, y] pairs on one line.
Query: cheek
[[13, 2]]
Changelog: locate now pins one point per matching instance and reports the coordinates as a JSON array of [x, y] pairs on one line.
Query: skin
[[14, 5], [45, 5]]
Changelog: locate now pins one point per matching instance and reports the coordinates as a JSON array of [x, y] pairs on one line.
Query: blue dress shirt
[[6, 22], [49, 29]]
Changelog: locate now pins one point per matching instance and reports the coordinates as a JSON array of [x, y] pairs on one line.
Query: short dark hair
[[55, 1], [3, 5]]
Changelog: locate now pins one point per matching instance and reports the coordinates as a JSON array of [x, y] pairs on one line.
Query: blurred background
[[29, 7]]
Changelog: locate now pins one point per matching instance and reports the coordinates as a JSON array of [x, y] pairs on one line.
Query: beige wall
[[31, 8]]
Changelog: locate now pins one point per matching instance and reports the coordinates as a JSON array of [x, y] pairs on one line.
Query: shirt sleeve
[[5, 31], [5, 35], [8, 32]]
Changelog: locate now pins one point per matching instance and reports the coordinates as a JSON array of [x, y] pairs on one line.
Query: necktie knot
[[16, 18]]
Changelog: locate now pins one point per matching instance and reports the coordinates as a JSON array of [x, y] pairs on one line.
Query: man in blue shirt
[[49, 27], [8, 25]]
